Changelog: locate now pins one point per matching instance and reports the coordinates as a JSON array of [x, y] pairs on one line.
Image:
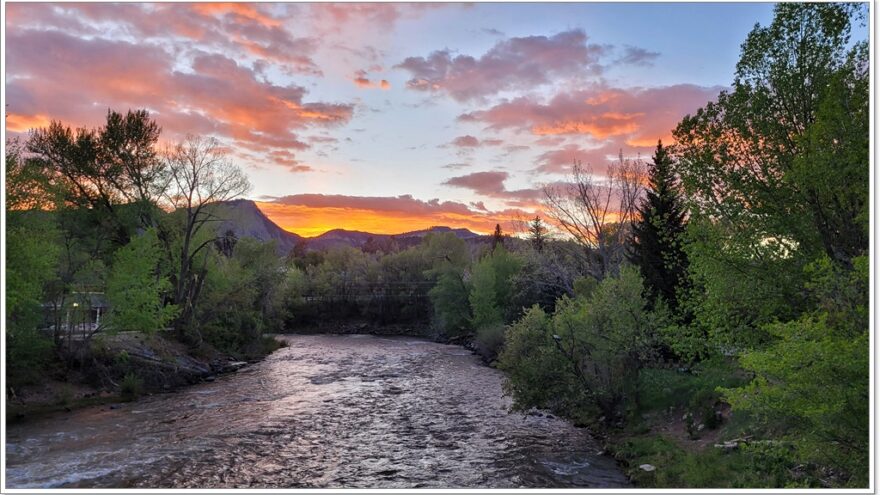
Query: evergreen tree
[[656, 247], [497, 237], [537, 234]]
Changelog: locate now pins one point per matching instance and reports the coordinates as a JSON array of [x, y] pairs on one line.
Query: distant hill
[[244, 218]]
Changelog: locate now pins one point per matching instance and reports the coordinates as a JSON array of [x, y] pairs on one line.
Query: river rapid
[[328, 411]]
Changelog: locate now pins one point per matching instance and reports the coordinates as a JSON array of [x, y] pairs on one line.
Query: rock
[[210, 378], [647, 467], [727, 446], [701, 427], [115, 406]]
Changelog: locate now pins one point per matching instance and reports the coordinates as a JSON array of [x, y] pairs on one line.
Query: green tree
[[448, 257], [104, 168], [197, 176], [778, 145], [31, 259], [812, 382], [594, 346], [136, 288], [656, 245]]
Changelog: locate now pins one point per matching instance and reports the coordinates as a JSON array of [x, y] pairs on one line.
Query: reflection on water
[[327, 411]]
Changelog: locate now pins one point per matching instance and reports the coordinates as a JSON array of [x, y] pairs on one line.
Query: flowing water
[[327, 411]]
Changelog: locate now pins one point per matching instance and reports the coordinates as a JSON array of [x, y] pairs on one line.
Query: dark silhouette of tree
[[497, 237], [656, 244], [598, 214], [537, 234], [104, 168]]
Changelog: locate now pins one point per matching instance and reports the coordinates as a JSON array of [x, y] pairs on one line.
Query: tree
[[105, 167], [537, 234], [790, 137], [657, 236], [497, 237], [135, 287], [812, 382], [198, 175], [31, 259], [753, 159], [597, 214], [448, 257], [593, 346]]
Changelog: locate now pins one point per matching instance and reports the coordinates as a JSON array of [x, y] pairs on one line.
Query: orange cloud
[[362, 80], [597, 130], [246, 10], [24, 123]]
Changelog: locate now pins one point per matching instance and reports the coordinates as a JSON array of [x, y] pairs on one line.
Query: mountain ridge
[[244, 218]]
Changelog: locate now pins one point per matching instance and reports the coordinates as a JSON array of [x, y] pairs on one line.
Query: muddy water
[[327, 411]]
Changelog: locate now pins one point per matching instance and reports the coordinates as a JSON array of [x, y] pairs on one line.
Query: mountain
[[354, 238], [245, 219]]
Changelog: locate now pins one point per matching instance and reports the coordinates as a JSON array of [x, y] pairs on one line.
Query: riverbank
[[122, 367]]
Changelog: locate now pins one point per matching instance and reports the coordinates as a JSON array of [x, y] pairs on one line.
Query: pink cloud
[[361, 79], [491, 184], [468, 141], [214, 95], [515, 63]]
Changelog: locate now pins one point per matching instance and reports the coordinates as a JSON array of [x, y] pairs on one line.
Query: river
[[328, 411]]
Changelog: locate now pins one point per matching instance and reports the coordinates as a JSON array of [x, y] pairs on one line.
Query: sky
[[383, 118]]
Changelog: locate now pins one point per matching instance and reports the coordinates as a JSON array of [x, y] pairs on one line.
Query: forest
[[722, 282]]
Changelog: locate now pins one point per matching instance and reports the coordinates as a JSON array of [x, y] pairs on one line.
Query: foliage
[[537, 374], [448, 257], [135, 287], [813, 379], [597, 344], [658, 233], [31, 256], [104, 168], [131, 386], [537, 234]]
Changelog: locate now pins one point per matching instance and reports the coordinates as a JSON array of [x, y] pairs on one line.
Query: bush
[[537, 374], [588, 355], [131, 386], [490, 340]]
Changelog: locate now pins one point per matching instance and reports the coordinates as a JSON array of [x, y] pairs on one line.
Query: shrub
[[131, 386], [490, 340]]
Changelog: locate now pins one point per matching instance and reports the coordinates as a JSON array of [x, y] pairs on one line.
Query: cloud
[[314, 214], [203, 93], [605, 119], [512, 64], [468, 141], [491, 184], [248, 29], [362, 80], [634, 55]]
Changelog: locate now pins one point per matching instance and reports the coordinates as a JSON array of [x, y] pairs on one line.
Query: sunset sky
[[383, 117]]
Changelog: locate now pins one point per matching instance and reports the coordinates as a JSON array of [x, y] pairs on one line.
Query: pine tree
[[497, 237], [537, 234], [656, 247]]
